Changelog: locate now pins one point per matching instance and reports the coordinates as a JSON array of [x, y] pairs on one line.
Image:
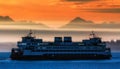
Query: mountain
[[6, 19], [76, 22], [23, 25], [79, 23], [79, 20], [7, 22]]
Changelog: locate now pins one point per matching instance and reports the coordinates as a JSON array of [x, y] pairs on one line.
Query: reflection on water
[[70, 64]]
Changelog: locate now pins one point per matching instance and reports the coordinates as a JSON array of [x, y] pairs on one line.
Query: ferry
[[62, 48]]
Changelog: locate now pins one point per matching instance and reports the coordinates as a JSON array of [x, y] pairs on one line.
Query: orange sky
[[59, 12]]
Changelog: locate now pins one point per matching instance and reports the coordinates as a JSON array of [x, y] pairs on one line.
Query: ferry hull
[[61, 57]]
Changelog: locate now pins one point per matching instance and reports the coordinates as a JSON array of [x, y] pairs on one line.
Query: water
[[114, 63]]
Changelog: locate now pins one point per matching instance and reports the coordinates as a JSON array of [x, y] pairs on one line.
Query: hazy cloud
[[105, 10], [80, 1], [100, 6]]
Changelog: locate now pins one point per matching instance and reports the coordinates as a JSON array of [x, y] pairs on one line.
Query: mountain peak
[[5, 18], [78, 20]]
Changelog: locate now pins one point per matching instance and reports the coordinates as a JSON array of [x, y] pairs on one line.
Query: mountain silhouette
[[24, 25], [79, 20], [76, 22], [6, 19], [79, 23]]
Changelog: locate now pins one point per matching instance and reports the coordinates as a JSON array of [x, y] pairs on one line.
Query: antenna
[[93, 34], [30, 33]]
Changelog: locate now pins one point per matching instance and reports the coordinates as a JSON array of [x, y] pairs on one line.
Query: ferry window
[[43, 47], [38, 47], [23, 43]]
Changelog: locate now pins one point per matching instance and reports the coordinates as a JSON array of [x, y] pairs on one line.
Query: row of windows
[[68, 50], [64, 47], [54, 44]]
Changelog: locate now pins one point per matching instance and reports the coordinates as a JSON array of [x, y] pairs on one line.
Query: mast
[[93, 34], [30, 33]]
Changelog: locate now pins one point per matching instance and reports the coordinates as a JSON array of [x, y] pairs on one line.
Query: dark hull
[[62, 57]]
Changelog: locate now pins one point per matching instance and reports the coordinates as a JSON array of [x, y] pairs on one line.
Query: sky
[[60, 12]]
